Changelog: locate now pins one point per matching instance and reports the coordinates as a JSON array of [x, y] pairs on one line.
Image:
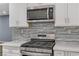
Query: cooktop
[[40, 43]]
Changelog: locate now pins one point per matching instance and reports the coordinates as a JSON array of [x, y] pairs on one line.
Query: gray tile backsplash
[[67, 32], [33, 30], [45, 28]]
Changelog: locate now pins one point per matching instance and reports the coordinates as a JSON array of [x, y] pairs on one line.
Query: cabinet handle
[[67, 20], [17, 22]]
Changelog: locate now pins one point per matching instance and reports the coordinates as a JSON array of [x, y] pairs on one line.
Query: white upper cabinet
[[73, 14], [35, 5], [67, 14], [60, 14], [18, 15], [4, 9]]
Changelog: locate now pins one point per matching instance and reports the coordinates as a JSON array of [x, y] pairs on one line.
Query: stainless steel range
[[38, 47]]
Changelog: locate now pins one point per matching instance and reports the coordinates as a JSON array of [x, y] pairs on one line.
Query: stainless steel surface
[[38, 47]]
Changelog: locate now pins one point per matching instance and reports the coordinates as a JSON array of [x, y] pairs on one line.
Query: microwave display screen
[[37, 14]]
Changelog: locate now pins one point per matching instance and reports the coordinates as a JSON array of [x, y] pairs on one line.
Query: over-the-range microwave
[[41, 13]]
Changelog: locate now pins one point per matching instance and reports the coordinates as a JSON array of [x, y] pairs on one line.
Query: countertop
[[67, 46], [14, 43]]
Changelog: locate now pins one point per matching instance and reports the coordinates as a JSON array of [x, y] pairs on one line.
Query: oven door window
[[37, 14]]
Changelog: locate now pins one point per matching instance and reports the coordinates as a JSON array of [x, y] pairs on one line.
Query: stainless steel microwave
[[41, 13]]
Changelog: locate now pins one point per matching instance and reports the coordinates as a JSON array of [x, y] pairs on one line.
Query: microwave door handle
[[47, 13]]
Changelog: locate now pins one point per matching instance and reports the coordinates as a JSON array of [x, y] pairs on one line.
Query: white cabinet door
[[4, 9], [67, 53], [61, 14], [18, 15], [74, 53], [73, 14], [38, 4], [11, 51], [58, 53]]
